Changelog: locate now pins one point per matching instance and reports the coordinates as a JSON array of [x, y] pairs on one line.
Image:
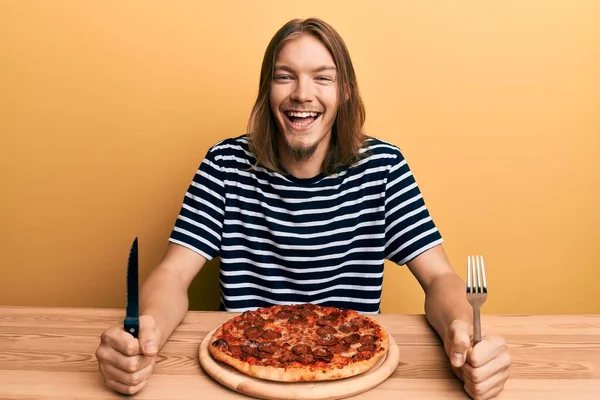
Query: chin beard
[[300, 154]]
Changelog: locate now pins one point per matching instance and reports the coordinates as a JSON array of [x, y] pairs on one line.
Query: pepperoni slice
[[284, 314], [242, 324], [268, 347], [236, 350], [333, 316], [288, 357], [259, 321], [348, 327], [297, 319], [323, 353], [324, 321], [221, 343], [323, 330], [307, 358], [251, 315], [327, 340], [360, 322], [251, 348], [253, 332], [300, 349], [270, 334], [367, 339], [339, 348], [329, 320], [309, 313], [367, 347], [355, 337]]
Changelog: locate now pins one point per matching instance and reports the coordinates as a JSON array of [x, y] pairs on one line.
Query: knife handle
[[132, 326]]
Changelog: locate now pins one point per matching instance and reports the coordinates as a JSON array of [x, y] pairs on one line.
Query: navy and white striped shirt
[[322, 240]]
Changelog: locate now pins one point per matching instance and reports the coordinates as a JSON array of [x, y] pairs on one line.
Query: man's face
[[303, 96]]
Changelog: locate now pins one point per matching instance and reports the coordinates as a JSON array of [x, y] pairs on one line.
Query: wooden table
[[49, 353]]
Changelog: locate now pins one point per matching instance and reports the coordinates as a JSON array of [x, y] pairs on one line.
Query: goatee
[[299, 154]]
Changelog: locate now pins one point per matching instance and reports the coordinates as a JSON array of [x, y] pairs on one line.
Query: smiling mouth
[[301, 119]]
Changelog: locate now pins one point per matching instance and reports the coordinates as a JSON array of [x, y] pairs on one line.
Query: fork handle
[[476, 325]]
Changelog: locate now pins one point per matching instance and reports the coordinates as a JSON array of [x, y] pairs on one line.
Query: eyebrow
[[318, 69]]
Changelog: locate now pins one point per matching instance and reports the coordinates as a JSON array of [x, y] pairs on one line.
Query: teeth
[[302, 114]]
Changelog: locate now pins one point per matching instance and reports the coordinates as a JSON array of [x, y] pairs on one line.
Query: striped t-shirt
[[322, 240]]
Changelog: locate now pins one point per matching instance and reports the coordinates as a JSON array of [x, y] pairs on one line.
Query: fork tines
[[476, 271]]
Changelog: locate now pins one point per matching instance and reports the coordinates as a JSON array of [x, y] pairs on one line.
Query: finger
[[108, 355], [486, 390], [127, 378], [147, 336], [121, 388], [487, 371], [459, 339], [486, 350], [121, 341]]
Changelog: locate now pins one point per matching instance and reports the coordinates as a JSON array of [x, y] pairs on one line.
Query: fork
[[476, 292]]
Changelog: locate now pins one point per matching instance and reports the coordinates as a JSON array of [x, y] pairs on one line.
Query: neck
[[305, 169]]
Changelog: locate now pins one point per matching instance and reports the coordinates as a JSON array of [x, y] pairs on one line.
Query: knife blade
[[131, 323]]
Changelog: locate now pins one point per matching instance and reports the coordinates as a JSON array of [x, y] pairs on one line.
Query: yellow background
[[107, 108]]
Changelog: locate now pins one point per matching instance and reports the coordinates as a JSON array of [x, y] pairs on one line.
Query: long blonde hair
[[347, 133]]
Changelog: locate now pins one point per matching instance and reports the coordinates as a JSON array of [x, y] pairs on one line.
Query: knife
[[131, 322]]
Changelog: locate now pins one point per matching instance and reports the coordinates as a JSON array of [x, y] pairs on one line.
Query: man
[[304, 208]]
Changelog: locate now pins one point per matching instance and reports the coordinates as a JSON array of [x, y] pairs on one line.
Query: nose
[[303, 90]]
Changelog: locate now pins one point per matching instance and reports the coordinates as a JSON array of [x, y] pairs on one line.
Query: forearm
[[164, 297], [446, 301]]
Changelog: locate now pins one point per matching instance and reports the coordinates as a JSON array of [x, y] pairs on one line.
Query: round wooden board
[[271, 390]]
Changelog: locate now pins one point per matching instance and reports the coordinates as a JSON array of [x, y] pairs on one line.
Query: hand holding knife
[[117, 348], [131, 322]]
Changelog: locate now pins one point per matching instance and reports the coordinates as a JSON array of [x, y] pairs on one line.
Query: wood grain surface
[[48, 353]]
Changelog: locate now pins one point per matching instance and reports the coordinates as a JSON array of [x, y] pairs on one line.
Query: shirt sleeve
[[200, 222], [410, 230]]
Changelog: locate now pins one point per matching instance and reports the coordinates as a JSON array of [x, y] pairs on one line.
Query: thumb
[[147, 336], [459, 341]]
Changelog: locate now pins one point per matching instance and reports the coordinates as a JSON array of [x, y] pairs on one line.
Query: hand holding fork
[[481, 362]]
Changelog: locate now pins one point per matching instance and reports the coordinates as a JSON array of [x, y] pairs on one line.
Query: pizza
[[300, 342]]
